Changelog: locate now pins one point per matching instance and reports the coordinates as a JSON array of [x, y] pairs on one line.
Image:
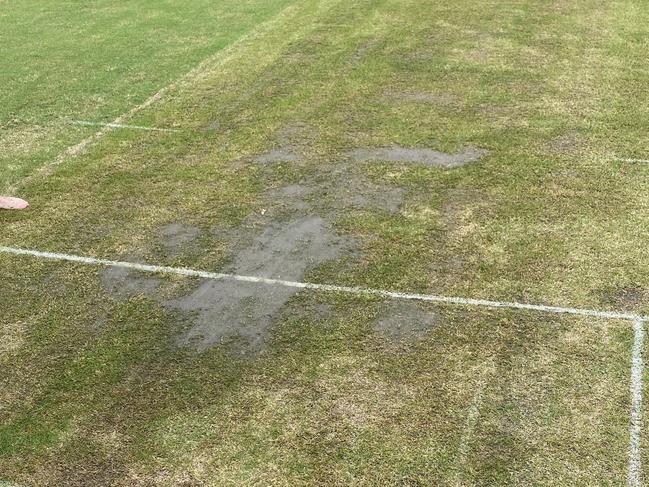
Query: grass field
[[476, 149]]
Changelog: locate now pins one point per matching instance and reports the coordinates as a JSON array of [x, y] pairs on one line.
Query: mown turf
[[70, 60], [95, 389]]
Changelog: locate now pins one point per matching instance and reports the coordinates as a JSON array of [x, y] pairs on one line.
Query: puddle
[[243, 312]]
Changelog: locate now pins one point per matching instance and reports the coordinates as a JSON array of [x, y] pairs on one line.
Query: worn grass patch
[[124, 379]]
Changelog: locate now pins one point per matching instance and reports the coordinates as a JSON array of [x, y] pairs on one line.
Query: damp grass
[[97, 391]]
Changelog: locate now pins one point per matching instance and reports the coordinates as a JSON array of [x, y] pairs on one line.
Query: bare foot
[[9, 203]]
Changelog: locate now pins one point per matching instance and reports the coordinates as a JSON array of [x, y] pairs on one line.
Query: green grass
[[73, 60], [95, 389]]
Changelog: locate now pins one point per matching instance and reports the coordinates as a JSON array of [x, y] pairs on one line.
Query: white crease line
[[634, 478], [322, 287], [122, 126]]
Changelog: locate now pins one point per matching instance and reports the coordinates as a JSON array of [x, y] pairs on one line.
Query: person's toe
[[10, 203]]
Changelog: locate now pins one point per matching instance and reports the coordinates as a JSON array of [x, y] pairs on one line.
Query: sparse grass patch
[[97, 388]]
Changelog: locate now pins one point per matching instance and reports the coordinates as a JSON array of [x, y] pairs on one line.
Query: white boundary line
[[122, 126], [634, 473], [183, 271], [634, 467]]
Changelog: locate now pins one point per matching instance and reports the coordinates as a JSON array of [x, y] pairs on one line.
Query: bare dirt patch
[[425, 157], [567, 143], [379, 197], [126, 283], [176, 237], [404, 322]]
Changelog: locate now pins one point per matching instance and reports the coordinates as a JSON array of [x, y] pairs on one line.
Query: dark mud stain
[[293, 191], [405, 322], [425, 157], [345, 190], [295, 197], [626, 297], [278, 155], [176, 237], [374, 197], [567, 143], [240, 312], [126, 283]]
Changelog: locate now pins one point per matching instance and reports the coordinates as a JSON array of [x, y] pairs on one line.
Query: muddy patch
[[404, 322], [126, 283], [567, 143], [625, 297], [242, 312], [177, 237], [424, 157], [340, 191], [370, 196], [295, 197], [278, 155]]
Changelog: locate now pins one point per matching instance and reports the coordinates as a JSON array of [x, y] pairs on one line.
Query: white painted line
[[634, 475], [322, 287], [122, 126], [623, 159]]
